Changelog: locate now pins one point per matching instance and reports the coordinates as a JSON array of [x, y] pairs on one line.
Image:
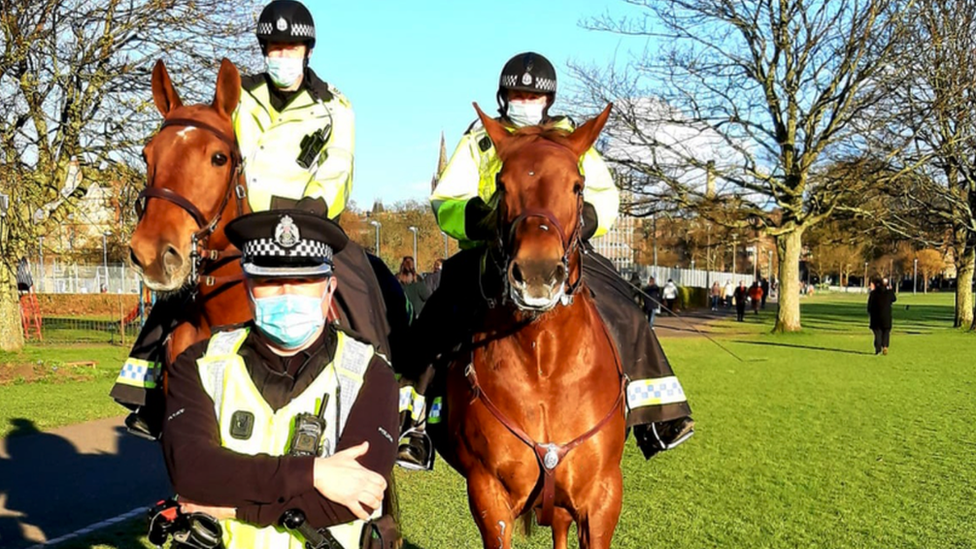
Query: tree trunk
[[965, 264], [789, 246], [11, 332]]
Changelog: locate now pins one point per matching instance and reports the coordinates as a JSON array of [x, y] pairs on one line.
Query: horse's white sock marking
[[501, 534]]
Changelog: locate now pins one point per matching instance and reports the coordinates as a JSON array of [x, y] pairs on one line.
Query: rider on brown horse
[[295, 136], [659, 412]]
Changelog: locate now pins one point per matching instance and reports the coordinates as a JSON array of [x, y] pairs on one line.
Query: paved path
[[56, 482]]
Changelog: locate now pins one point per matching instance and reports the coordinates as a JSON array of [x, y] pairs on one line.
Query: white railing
[[71, 278], [690, 278]]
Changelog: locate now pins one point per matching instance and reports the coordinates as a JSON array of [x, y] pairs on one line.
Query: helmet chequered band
[[265, 28], [266, 247], [307, 31], [543, 84]]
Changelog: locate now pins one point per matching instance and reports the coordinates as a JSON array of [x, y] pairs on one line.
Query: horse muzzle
[[162, 266], [537, 285]]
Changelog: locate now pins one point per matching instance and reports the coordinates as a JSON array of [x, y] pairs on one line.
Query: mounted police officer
[[659, 412], [287, 412], [296, 132], [296, 137]]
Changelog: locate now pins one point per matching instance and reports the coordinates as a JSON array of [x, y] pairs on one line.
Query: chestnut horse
[[195, 187], [535, 413]]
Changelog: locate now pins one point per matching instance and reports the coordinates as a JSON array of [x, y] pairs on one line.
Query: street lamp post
[[735, 240], [864, 282], [446, 251], [915, 277], [416, 264], [105, 236], [654, 236], [377, 224], [769, 273]]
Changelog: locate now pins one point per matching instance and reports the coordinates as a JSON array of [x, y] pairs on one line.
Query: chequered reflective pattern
[[266, 247]]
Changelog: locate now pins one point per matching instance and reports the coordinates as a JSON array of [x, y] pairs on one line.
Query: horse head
[[192, 166], [539, 193]]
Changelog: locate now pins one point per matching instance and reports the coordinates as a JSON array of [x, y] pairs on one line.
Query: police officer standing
[[287, 411], [296, 132], [526, 91]]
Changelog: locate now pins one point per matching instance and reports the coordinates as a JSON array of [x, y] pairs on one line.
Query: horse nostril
[[517, 274], [559, 274], [172, 259]]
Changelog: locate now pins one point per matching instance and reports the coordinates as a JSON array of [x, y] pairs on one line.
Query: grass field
[[809, 441]]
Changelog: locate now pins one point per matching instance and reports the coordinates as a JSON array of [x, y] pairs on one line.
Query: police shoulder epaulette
[[252, 82]]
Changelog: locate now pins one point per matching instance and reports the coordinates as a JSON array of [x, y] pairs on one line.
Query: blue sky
[[412, 69]]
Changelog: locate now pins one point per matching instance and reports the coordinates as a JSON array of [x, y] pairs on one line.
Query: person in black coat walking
[[740, 295], [652, 300], [879, 309]]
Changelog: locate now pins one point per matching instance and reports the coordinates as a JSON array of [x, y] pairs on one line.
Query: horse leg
[[491, 508], [561, 521], [598, 519]]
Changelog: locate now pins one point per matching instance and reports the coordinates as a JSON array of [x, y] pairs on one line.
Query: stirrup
[[427, 446]]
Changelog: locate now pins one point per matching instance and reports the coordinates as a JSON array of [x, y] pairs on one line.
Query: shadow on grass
[[808, 347], [407, 544]]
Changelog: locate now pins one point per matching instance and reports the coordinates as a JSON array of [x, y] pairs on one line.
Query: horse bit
[[200, 238]]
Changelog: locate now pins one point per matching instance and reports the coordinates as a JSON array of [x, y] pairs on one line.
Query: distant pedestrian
[[879, 310], [670, 295], [635, 289], [652, 300], [740, 295], [716, 294], [765, 291], [729, 291], [755, 296], [433, 279], [413, 287]]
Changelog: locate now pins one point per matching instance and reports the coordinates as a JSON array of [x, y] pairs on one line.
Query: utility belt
[[202, 531]]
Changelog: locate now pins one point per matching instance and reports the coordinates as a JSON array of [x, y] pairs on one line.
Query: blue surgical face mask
[[526, 113], [289, 320], [285, 71]]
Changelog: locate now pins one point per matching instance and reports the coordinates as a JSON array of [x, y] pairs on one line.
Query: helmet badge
[[526, 79], [282, 24], [286, 233]]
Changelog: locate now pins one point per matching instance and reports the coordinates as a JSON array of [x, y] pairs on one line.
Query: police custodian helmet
[[529, 72], [286, 21], [286, 243]]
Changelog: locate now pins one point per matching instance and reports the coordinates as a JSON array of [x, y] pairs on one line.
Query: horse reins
[[200, 239]]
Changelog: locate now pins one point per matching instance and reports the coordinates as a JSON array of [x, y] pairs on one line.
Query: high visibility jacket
[[271, 143], [472, 169], [226, 380]]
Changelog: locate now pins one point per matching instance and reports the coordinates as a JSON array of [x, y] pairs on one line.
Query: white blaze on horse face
[[185, 132]]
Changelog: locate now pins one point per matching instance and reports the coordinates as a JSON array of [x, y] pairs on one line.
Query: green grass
[[811, 441], [54, 401]]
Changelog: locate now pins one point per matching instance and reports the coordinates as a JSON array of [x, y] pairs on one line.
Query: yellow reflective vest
[[226, 380], [472, 169], [271, 142]]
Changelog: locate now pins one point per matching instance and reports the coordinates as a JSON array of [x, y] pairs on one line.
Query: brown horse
[[194, 189], [535, 414]]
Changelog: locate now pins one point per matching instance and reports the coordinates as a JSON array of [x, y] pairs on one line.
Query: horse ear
[[228, 88], [498, 134], [164, 94], [585, 136]]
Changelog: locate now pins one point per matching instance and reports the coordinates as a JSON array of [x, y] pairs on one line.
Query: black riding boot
[[659, 413]]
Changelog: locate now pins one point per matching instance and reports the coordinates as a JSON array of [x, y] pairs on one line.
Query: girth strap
[[550, 454]]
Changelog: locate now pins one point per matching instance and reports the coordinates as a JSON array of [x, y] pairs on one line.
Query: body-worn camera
[[188, 530], [306, 437], [311, 145]]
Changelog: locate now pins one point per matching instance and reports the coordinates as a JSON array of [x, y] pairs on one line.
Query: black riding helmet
[[529, 72], [286, 21]]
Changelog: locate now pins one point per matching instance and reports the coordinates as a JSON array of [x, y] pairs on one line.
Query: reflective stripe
[[412, 401], [435, 410], [654, 392], [138, 373]]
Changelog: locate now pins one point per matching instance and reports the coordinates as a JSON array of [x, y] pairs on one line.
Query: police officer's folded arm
[[373, 419], [203, 471]]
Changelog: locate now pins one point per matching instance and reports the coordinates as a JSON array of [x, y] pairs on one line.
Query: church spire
[[441, 164]]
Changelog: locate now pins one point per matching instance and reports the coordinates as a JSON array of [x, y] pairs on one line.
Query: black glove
[[590, 222], [477, 226]]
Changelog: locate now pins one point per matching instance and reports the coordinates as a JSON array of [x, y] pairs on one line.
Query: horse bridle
[[200, 239], [570, 243]]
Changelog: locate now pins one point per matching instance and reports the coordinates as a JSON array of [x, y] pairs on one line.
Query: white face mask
[[526, 113], [285, 71]]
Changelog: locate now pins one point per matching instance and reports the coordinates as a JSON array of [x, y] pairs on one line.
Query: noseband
[[200, 238]]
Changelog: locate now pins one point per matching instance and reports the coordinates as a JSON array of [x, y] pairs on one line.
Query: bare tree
[[936, 100], [75, 83], [758, 95]]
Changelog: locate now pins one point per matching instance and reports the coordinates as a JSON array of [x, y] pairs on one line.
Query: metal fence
[[72, 278], [689, 278]]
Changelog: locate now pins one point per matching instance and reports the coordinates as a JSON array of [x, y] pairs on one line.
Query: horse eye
[[218, 159], [578, 187]]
